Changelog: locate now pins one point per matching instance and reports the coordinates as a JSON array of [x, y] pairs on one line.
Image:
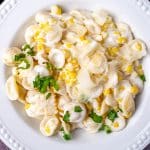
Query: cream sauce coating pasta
[[78, 69]]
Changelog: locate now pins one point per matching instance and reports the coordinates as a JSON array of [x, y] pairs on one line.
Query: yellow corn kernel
[[121, 40], [71, 20], [40, 47], [121, 88], [113, 51], [56, 10], [86, 41], [82, 38], [27, 106], [138, 46], [67, 53], [119, 100], [129, 69], [134, 89], [107, 92], [116, 124], [117, 33], [47, 130], [68, 45]]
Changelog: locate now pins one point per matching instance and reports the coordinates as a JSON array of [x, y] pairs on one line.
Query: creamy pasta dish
[[79, 69]]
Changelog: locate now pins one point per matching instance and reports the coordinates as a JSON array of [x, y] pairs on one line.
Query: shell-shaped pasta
[[134, 50], [54, 35], [22, 94], [75, 117], [42, 17], [92, 26], [41, 57], [90, 126], [135, 80], [101, 17], [8, 57], [122, 89], [41, 70], [62, 101], [27, 80], [111, 39], [30, 32], [47, 106], [12, 88], [97, 63], [125, 30], [86, 87], [128, 105], [104, 108], [57, 58], [49, 125], [81, 15], [71, 37], [34, 111], [118, 124], [80, 30], [112, 79], [110, 101], [89, 47]]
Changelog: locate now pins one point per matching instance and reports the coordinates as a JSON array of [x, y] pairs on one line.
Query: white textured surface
[[139, 142]]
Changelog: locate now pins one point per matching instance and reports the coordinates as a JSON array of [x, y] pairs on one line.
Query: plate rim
[[141, 140]]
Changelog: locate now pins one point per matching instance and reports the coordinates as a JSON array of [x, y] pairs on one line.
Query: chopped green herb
[[120, 109], [28, 49], [24, 64], [112, 114], [66, 136], [18, 57], [96, 118], [105, 128], [43, 83], [49, 66], [142, 77], [48, 95], [66, 117], [77, 109]]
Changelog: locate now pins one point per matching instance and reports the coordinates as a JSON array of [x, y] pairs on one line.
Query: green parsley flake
[[66, 117], [43, 83], [24, 64], [20, 56], [29, 50], [66, 136], [48, 96], [105, 128], [77, 109], [96, 118], [112, 114], [142, 77]]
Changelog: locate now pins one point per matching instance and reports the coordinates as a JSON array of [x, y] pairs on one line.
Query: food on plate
[[79, 69]]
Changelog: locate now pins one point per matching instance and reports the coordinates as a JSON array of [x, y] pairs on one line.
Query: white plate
[[22, 133]]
